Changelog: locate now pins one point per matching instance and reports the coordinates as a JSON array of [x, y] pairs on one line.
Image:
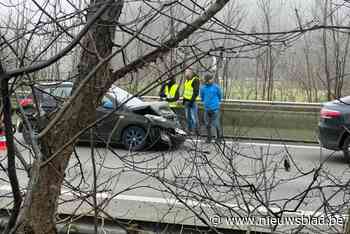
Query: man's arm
[[195, 86], [201, 94], [161, 92]]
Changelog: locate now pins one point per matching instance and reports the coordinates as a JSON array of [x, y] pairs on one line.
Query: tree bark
[[38, 213], [325, 52], [11, 164]]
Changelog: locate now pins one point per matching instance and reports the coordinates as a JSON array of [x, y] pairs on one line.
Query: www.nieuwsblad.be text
[[288, 220]]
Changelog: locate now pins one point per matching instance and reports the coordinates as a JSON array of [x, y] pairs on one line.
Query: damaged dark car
[[134, 123]]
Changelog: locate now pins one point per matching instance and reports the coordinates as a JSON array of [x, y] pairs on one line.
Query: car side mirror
[[107, 104]]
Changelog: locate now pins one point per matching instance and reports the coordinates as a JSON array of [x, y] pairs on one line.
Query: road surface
[[240, 177]]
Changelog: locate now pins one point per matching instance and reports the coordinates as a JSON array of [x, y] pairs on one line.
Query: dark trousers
[[191, 112], [212, 120]]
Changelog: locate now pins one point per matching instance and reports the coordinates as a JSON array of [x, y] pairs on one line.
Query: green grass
[[282, 92], [245, 90]]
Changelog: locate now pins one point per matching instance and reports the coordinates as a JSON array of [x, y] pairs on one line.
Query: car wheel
[[134, 138], [345, 148]]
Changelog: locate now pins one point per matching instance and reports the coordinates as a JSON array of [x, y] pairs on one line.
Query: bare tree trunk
[[172, 34], [38, 216], [336, 51], [265, 75], [268, 65], [309, 86], [12, 174], [270, 74], [226, 88], [256, 78], [218, 68], [343, 62], [325, 51], [340, 55]]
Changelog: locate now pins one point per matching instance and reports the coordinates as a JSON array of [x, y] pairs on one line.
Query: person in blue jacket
[[210, 94]]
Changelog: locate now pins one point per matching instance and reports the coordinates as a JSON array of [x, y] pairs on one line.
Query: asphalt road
[[143, 185]]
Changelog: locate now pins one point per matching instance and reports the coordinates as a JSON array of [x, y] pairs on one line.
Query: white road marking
[[265, 144], [174, 202], [283, 145], [193, 203]]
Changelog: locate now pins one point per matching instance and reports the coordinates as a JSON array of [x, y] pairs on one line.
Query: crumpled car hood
[[154, 105], [153, 108]]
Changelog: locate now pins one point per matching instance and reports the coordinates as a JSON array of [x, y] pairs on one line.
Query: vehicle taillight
[[26, 102], [329, 114]]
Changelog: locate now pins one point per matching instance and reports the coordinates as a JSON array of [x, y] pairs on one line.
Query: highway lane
[[198, 170]]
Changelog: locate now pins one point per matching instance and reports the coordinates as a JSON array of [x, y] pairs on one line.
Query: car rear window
[[61, 91], [345, 100]]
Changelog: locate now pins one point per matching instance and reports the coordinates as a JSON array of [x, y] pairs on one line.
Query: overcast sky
[[283, 11]]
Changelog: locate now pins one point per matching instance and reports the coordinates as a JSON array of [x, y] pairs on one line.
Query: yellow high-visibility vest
[[188, 89], [171, 93]]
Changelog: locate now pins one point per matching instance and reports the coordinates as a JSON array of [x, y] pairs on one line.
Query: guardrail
[[255, 102], [266, 120], [278, 105]]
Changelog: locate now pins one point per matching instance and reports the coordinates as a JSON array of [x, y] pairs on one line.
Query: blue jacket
[[211, 96]]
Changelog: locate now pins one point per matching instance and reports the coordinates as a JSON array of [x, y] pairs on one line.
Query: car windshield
[[345, 99], [59, 91], [63, 91], [121, 95]]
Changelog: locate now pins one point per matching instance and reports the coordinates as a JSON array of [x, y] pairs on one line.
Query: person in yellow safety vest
[[190, 95], [170, 92]]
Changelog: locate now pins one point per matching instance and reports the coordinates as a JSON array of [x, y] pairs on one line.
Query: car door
[[109, 125]]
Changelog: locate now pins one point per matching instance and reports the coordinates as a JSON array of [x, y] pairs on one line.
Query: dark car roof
[[47, 91]]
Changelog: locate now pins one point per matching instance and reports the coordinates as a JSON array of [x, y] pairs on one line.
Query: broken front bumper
[[174, 137]]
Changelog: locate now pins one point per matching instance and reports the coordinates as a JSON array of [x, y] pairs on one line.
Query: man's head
[[208, 79], [188, 73]]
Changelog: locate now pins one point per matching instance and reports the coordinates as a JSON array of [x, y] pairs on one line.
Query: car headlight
[[166, 112], [156, 118], [180, 131]]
